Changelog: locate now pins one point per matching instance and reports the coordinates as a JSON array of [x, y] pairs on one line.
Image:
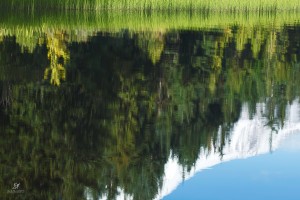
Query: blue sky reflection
[[269, 176]]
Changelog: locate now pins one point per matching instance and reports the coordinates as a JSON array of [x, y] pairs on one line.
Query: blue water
[[274, 176]]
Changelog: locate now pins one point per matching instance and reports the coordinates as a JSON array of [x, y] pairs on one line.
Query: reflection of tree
[[14, 65], [6, 96], [153, 44], [58, 56]]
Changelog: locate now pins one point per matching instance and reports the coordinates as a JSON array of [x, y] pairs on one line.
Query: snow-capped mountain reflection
[[249, 137]]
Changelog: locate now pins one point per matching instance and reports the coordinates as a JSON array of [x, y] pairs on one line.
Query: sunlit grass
[[217, 5], [136, 21]]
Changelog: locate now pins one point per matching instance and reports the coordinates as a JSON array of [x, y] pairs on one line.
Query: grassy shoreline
[[144, 5], [136, 21]]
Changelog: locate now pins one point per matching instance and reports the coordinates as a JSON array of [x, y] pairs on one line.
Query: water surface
[[95, 108]]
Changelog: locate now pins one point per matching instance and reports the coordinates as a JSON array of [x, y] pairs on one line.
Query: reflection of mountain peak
[[249, 137]]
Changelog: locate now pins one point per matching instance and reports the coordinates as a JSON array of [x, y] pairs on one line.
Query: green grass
[[136, 21], [209, 5]]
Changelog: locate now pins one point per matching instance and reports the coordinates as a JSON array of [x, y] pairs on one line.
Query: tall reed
[[143, 5], [88, 22]]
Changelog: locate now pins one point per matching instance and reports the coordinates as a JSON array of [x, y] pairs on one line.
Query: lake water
[[149, 106]]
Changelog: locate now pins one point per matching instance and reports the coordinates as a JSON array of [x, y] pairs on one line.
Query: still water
[[101, 107]]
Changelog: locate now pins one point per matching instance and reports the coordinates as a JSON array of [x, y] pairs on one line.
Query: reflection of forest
[[130, 100]]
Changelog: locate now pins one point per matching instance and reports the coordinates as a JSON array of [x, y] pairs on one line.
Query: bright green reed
[[209, 5]]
